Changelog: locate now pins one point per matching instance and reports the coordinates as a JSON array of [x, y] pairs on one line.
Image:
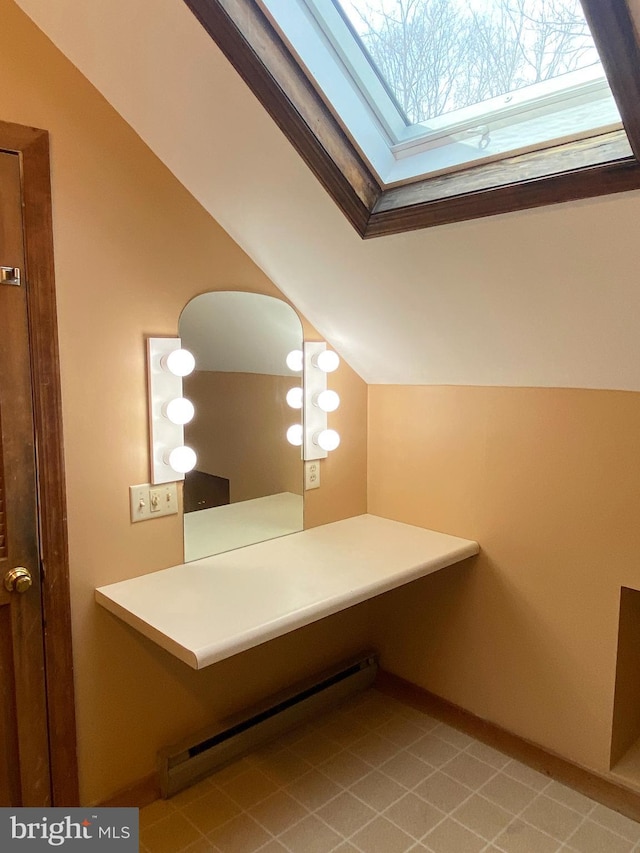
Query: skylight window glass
[[426, 87], [440, 56]]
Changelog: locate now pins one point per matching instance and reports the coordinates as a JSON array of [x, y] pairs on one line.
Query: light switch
[[148, 501], [139, 502], [164, 499]]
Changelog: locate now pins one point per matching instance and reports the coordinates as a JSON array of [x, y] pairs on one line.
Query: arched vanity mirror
[[248, 483]]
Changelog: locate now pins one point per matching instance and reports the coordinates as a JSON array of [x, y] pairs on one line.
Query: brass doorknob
[[18, 580]]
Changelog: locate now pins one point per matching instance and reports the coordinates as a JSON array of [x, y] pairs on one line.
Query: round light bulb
[[294, 435], [328, 401], [179, 410], [294, 397], [180, 362], [182, 459], [327, 439], [294, 360], [327, 360]]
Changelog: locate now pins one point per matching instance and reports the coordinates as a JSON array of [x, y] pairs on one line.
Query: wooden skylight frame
[[596, 166]]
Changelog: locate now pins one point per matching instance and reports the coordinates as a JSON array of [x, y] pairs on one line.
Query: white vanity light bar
[[318, 361], [167, 363]]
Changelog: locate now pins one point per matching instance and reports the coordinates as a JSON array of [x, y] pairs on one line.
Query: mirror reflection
[[248, 482]]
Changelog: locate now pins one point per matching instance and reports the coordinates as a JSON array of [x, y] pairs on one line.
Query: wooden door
[[24, 743]]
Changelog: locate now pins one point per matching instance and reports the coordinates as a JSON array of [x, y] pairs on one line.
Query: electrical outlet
[[148, 501], [312, 474]]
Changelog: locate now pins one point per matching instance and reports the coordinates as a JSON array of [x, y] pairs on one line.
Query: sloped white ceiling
[[548, 297]]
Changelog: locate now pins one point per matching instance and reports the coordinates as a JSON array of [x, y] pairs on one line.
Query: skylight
[[426, 87], [437, 56], [523, 115]]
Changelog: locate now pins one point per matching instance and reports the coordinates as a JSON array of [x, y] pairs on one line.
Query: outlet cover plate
[[312, 474]]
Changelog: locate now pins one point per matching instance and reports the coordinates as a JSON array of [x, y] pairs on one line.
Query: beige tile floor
[[376, 776]]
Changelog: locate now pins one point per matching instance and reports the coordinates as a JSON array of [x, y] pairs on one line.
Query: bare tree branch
[[442, 55]]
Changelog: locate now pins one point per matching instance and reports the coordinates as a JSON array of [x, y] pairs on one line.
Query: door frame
[[32, 146]]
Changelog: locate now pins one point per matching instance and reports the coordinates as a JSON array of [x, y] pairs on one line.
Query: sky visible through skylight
[[438, 56]]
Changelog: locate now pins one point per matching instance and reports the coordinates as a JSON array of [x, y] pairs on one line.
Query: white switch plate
[[146, 501], [312, 474]]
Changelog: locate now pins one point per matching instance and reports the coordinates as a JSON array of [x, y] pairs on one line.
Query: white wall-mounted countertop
[[211, 609]]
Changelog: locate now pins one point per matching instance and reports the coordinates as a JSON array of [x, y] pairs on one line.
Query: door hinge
[[10, 275]]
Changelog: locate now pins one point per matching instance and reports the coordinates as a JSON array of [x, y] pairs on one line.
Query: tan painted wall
[[547, 480], [122, 223], [238, 431]]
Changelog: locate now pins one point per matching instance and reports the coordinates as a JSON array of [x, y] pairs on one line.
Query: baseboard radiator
[[196, 757]]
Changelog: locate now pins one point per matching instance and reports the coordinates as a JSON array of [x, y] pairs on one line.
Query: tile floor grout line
[[519, 816], [439, 822], [377, 813], [585, 817], [450, 814], [636, 844], [314, 812], [215, 787], [565, 843], [352, 725], [588, 817], [476, 791], [400, 748], [192, 824], [608, 828], [296, 822]]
